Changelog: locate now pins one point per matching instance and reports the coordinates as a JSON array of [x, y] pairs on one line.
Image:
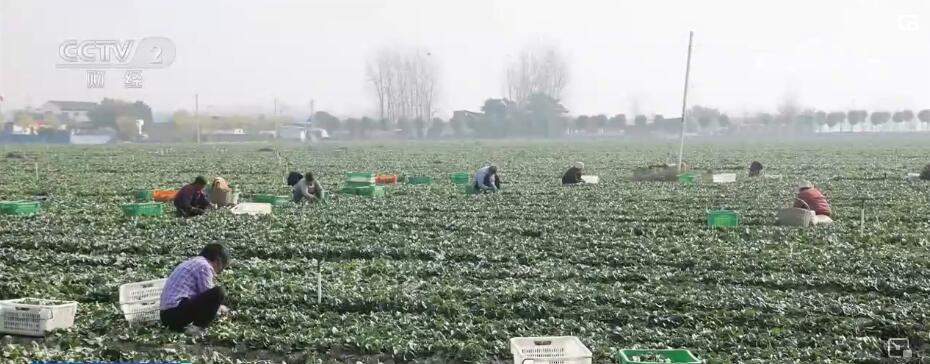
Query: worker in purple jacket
[[191, 296], [190, 200]]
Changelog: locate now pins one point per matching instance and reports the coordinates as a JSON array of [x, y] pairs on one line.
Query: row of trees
[[543, 116], [404, 84]]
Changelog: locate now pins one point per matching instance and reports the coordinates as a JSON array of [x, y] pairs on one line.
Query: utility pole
[[307, 123], [196, 114], [684, 102]]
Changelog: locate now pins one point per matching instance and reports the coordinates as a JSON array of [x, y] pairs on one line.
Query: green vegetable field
[[429, 274]]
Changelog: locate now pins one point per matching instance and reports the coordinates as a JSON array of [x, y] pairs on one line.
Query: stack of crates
[[143, 195], [362, 184]]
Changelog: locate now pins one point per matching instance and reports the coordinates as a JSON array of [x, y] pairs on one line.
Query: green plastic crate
[[144, 209], [468, 189], [371, 191], [272, 199], [419, 180], [348, 190], [687, 178], [354, 184], [461, 178], [722, 218], [19, 208], [143, 195], [358, 177], [675, 356]]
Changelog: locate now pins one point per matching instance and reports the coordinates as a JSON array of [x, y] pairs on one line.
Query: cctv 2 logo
[[146, 53]]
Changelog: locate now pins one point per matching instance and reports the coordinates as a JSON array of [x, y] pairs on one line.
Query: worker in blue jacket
[[487, 179]]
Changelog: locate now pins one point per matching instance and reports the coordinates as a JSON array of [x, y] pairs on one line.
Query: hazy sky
[[623, 55]]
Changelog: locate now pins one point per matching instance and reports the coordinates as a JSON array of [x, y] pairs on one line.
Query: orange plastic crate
[[164, 195], [386, 179]]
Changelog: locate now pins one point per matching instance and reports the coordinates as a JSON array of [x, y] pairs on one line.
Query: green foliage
[[429, 273], [109, 111], [326, 121], [880, 117], [924, 116]]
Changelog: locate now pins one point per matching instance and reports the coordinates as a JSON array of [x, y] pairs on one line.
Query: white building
[[69, 111]]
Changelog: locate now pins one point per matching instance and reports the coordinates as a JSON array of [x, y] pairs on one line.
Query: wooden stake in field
[[684, 102], [319, 282]]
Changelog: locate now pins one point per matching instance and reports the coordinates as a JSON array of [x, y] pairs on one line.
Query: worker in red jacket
[[809, 197]]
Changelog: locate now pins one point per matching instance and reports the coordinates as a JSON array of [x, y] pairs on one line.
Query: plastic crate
[[140, 301], [35, 317], [251, 208], [461, 178], [794, 216], [164, 195], [687, 178], [19, 208], [144, 209], [674, 356], [371, 191], [360, 177], [351, 184], [143, 195], [419, 180], [349, 190], [272, 199], [722, 218], [468, 189], [386, 179], [724, 178], [549, 350]]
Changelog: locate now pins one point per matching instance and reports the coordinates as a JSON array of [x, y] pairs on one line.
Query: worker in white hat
[[809, 197], [573, 175]]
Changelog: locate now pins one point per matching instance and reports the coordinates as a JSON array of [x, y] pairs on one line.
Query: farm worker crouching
[[307, 188], [755, 169], [219, 192], [190, 200], [486, 179], [809, 197], [573, 175], [190, 295]]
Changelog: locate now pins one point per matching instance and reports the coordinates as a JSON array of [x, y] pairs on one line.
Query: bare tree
[[404, 84], [539, 69]]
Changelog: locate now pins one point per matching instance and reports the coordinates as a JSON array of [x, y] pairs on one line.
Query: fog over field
[[621, 56]]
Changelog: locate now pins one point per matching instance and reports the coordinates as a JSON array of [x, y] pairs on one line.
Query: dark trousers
[[193, 211], [199, 310]]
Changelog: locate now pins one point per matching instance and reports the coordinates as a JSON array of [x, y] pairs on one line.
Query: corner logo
[[97, 56]]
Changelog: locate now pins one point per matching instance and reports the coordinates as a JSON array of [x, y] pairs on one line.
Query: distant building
[[69, 111]]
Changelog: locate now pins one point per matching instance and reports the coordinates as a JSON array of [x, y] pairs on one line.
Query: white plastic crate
[[36, 317], [549, 350], [592, 180], [139, 301], [252, 208], [724, 178], [794, 216]]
